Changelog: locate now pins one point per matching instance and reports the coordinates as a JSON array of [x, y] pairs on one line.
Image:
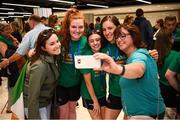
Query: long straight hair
[[163, 44]]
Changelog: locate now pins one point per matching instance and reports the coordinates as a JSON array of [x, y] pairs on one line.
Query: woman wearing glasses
[[140, 92], [114, 105], [73, 43], [41, 76]]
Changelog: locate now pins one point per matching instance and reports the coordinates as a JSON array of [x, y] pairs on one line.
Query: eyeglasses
[[122, 36]]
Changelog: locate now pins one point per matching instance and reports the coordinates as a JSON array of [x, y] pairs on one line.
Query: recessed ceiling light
[[22, 5], [6, 9]]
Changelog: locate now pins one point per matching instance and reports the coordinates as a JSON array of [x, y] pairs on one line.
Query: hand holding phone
[[86, 62]]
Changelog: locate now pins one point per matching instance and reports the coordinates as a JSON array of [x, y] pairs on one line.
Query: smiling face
[[124, 41], [108, 30], [94, 41], [76, 29], [52, 45]]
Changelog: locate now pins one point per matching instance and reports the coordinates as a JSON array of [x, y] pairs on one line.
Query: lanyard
[[116, 54], [72, 51]]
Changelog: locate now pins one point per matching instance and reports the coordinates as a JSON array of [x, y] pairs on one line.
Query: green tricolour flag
[[17, 103]]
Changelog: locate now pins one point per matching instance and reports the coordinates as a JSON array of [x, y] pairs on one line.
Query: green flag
[[17, 95]]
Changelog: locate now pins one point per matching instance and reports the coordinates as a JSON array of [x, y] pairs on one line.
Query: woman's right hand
[[109, 65], [96, 109]]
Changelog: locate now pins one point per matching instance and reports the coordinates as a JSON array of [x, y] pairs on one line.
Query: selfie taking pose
[[140, 92], [73, 43], [41, 76], [93, 88]]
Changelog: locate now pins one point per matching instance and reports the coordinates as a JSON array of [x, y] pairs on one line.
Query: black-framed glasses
[[122, 36]]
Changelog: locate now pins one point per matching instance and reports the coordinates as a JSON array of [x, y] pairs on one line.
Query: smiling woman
[[41, 76], [136, 76], [73, 43]]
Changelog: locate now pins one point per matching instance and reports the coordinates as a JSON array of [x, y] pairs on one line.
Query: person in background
[[145, 27], [41, 76], [16, 31], [166, 58], [170, 23], [44, 21], [28, 41], [128, 20], [159, 24], [140, 92], [90, 28], [73, 43], [98, 24], [53, 22], [173, 76], [7, 49], [93, 88], [26, 29]]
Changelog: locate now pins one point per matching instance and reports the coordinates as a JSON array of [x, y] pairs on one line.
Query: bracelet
[[123, 70]]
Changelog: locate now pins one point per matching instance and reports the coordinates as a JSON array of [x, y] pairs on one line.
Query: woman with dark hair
[[93, 88], [140, 92], [41, 76], [167, 57], [114, 105], [73, 43]]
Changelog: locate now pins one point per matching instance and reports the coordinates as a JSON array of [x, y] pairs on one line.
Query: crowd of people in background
[[141, 64]]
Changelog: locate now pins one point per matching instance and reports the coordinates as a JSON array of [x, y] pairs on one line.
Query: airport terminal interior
[[20, 11]]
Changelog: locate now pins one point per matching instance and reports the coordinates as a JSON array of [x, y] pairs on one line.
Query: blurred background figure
[[98, 24], [145, 28], [26, 29], [128, 20], [8, 47], [16, 30], [159, 24], [170, 23], [44, 20]]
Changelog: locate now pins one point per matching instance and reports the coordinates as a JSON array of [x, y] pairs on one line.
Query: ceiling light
[[6, 9], [26, 15], [22, 5], [63, 1], [144, 1], [6, 13], [16, 16], [21, 13], [55, 8], [94, 5]]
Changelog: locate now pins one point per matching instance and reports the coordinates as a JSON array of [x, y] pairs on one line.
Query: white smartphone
[[86, 62]]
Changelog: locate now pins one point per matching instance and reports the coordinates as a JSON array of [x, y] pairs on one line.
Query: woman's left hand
[[154, 54]]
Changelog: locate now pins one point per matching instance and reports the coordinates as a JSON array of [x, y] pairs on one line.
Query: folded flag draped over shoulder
[[17, 103]]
